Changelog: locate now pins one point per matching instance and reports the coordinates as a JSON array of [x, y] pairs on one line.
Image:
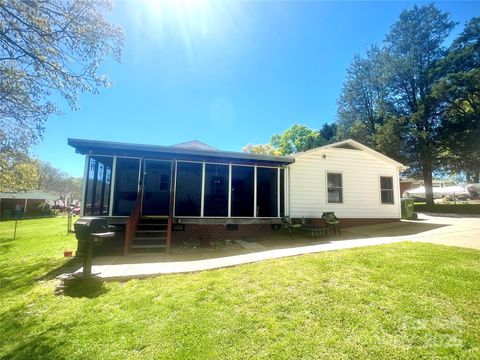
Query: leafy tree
[[388, 99], [363, 106], [261, 149], [364, 111], [18, 172], [48, 47], [57, 182], [296, 139], [329, 132], [458, 96], [414, 46]]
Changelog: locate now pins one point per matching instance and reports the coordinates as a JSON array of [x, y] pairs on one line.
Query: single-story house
[[159, 194], [26, 201]]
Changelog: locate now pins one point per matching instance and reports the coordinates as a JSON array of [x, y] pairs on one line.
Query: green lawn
[[406, 300]]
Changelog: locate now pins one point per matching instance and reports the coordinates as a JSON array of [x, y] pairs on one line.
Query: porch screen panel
[[188, 193], [267, 192], [216, 190], [242, 191], [88, 205], [282, 192], [98, 187], [126, 186]]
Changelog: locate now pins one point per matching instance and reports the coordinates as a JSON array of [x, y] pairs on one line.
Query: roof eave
[[86, 146]]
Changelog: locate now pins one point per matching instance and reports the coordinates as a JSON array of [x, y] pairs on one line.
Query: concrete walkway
[[441, 230]]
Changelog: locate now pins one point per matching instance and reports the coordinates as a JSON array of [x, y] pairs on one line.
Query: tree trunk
[[427, 180]]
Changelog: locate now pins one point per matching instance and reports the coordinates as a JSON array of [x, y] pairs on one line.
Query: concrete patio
[[443, 230]]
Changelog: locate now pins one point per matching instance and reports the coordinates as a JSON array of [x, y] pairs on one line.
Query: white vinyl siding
[[308, 190]]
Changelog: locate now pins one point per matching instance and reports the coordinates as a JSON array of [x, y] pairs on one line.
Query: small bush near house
[[44, 209]]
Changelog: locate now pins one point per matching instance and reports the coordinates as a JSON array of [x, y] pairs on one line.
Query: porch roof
[[142, 150]]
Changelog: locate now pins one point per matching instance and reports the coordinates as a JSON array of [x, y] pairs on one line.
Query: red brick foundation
[[208, 233]]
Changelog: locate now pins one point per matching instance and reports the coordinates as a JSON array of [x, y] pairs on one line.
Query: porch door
[[156, 188]]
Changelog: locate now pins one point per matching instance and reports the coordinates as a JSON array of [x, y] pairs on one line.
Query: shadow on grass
[[34, 343], [82, 287], [20, 276], [5, 245], [69, 266], [392, 229]]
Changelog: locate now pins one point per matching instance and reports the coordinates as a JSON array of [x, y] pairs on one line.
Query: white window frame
[[380, 187], [333, 172]]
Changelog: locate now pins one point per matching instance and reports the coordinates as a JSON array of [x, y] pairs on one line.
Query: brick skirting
[[207, 233]]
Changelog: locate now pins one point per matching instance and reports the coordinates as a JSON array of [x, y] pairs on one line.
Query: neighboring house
[[192, 191], [407, 184], [27, 201]]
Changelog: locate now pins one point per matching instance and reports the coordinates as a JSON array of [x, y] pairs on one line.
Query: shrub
[[44, 209], [449, 208]]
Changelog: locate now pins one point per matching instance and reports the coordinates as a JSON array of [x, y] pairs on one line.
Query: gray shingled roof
[[194, 144], [108, 147]]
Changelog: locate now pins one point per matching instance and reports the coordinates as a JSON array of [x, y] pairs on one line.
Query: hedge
[[449, 208]]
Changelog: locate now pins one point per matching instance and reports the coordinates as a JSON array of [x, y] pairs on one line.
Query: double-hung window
[[334, 188], [386, 189]]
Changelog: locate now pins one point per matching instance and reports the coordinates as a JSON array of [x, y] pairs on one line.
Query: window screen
[[126, 186], [98, 188], [386, 189], [335, 189], [188, 193], [267, 192], [216, 190], [282, 192], [242, 191]]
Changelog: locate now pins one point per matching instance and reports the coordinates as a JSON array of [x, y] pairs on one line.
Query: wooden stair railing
[[169, 235], [132, 223]]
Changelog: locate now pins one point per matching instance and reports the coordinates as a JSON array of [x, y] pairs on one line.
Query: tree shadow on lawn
[[5, 245], [17, 277], [21, 276], [402, 228], [23, 338], [71, 265]]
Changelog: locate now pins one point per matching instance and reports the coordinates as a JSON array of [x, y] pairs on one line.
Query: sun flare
[[189, 15]]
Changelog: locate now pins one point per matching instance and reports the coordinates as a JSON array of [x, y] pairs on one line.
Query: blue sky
[[225, 73]]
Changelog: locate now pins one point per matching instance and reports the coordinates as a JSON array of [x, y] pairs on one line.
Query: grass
[[471, 209], [406, 300]]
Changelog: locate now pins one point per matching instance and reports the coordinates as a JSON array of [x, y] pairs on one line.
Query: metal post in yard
[[87, 258], [69, 222], [17, 216], [15, 229]]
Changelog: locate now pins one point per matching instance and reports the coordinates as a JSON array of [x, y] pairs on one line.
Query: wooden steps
[[150, 235]]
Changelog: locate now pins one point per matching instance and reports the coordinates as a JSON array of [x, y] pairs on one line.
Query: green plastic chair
[[332, 221], [289, 224]]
